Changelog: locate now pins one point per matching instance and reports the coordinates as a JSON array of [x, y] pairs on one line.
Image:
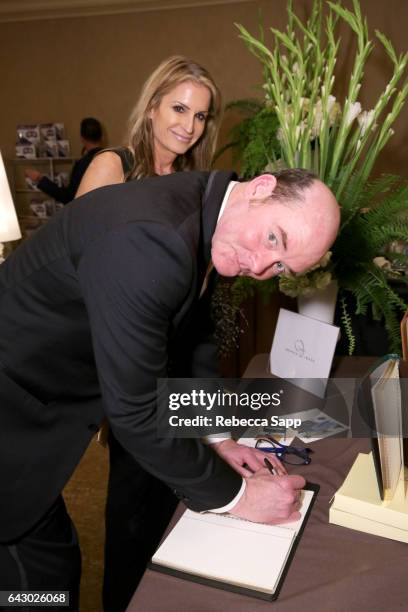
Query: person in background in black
[[91, 136]]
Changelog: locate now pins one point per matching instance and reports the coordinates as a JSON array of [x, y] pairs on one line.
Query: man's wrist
[[228, 507], [216, 438]]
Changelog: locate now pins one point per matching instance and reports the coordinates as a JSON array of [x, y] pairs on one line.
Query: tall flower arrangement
[[340, 141]]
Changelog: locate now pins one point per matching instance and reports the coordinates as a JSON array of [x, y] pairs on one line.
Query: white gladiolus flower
[[331, 112], [331, 100], [352, 112], [383, 263], [333, 109], [317, 119], [298, 131], [365, 119], [325, 260], [304, 103]]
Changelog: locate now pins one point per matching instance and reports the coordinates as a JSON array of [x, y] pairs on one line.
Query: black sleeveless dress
[[126, 157]]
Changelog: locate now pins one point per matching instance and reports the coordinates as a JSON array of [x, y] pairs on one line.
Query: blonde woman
[[173, 127]]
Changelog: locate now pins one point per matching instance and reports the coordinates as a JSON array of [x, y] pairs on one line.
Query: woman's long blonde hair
[[169, 74]]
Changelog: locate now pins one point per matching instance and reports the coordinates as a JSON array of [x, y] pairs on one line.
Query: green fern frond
[[248, 106], [242, 289], [385, 303], [347, 324], [399, 260], [381, 237], [253, 140]]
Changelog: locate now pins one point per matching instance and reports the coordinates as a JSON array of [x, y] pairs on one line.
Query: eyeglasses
[[291, 455]]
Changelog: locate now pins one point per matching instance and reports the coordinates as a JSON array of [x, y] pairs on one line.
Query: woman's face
[[179, 120]]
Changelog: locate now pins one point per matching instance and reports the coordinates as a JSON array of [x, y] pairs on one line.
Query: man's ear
[[261, 187]]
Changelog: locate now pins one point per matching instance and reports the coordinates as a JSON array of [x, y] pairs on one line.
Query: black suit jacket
[[91, 307]]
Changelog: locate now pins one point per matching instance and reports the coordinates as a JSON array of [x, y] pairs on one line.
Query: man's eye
[[279, 267], [272, 239]]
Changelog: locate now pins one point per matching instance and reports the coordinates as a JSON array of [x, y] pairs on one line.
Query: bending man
[[93, 309]]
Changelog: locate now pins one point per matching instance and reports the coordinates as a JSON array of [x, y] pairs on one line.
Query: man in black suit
[[92, 308], [91, 138]]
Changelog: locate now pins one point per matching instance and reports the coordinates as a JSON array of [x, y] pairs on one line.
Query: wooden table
[[334, 569]]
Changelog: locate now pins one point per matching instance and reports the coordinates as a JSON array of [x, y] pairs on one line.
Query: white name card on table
[[303, 349]]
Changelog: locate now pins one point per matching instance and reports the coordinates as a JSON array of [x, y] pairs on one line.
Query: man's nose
[[261, 263]]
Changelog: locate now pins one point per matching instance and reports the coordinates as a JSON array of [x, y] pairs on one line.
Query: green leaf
[[387, 46]]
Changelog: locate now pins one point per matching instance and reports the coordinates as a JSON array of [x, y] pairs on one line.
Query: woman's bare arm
[[105, 169]]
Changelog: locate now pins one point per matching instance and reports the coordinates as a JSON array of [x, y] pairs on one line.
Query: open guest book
[[233, 554], [374, 497]]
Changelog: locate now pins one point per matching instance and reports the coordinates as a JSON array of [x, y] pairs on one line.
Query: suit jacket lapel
[[217, 184], [213, 196]]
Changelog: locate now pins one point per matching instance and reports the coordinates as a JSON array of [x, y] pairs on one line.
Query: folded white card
[[303, 350]]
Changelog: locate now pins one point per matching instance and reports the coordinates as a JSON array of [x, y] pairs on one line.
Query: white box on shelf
[[39, 209], [48, 131], [49, 148], [27, 151], [42, 208], [63, 148], [28, 133], [59, 130]]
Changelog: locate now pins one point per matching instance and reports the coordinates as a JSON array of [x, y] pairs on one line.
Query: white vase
[[321, 305]]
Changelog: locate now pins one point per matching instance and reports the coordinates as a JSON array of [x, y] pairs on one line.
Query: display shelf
[[50, 166], [32, 191]]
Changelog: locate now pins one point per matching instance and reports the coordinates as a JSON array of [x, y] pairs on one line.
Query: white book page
[[386, 398], [227, 549]]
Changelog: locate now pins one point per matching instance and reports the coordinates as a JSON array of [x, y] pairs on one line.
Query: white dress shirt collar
[[226, 196]]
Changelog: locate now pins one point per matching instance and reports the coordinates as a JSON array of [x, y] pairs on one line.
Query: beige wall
[[65, 69]]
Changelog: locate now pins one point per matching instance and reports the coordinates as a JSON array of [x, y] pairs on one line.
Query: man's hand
[[34, 175], [246, 460], [270, 499]]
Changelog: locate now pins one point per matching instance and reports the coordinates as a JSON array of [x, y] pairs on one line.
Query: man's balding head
[[275, 224]]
